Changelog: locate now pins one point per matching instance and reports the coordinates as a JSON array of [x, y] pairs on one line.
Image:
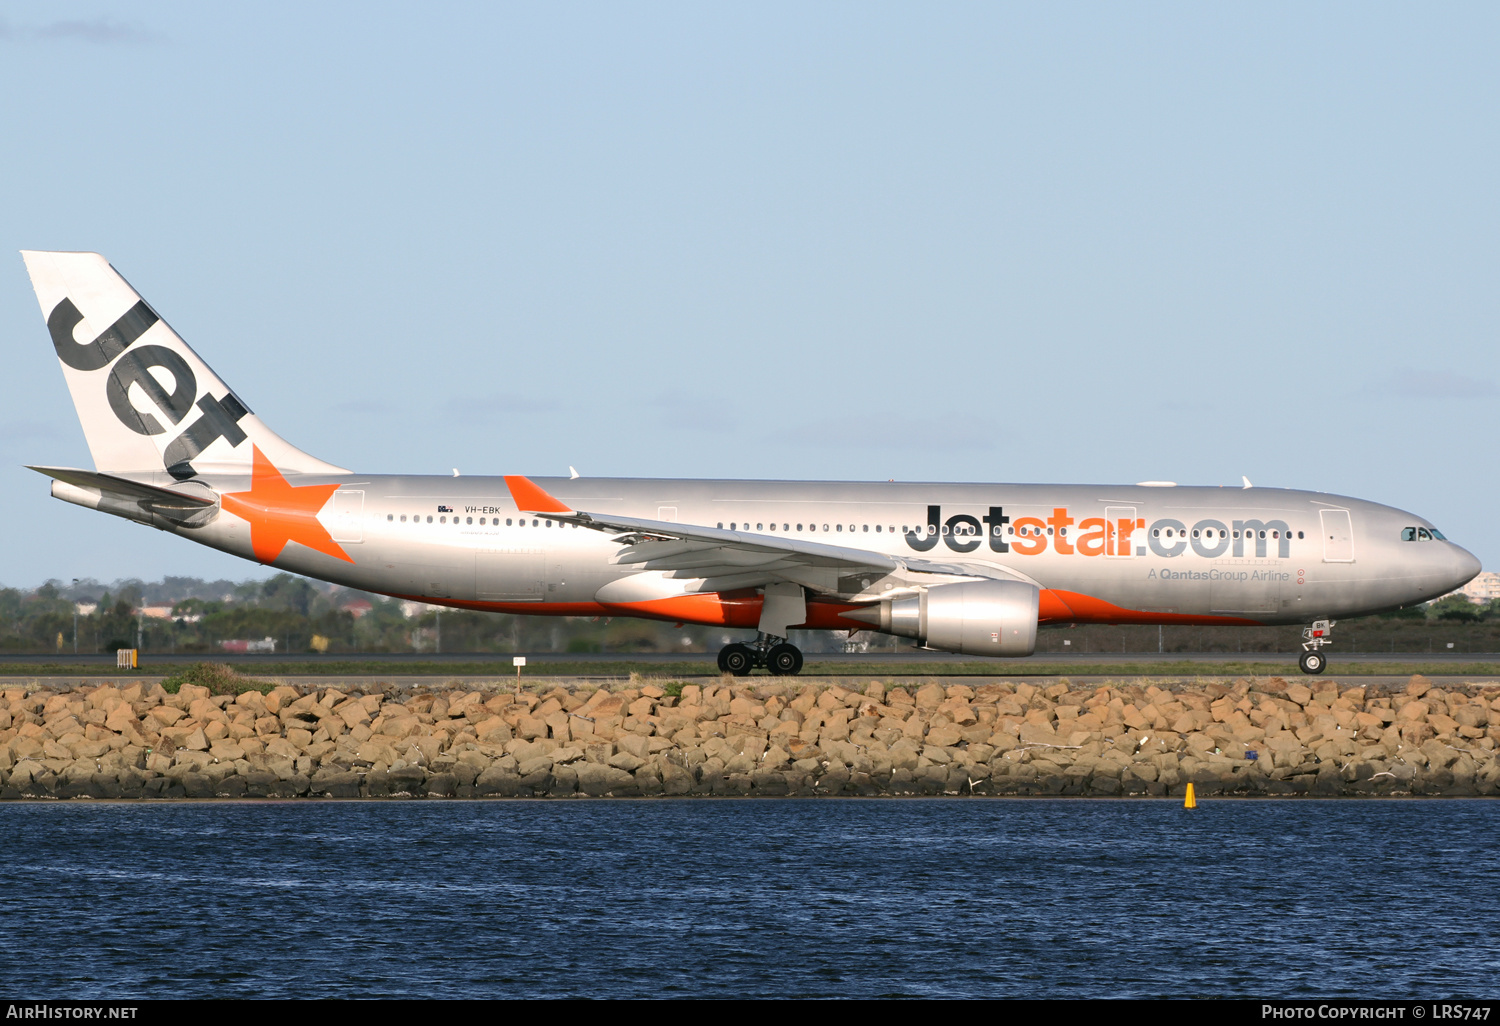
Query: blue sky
[[1066, 243]]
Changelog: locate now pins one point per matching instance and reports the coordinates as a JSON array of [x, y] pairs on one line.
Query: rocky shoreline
[[737, 738]]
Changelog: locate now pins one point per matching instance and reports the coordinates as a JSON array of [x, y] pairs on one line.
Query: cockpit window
[[1438, 534], [1423, 535], [1408, 534]]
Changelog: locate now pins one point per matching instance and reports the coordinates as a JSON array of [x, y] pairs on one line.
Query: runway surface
[[406, 682], [914, 656]]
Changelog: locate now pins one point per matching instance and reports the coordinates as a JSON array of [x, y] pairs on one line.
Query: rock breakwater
[[807, 738]]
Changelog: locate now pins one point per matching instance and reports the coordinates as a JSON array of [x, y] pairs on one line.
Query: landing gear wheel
[[738, 660], [1313, 662], [784, 660]]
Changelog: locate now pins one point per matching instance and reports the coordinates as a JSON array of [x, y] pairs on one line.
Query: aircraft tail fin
[[147, 402]]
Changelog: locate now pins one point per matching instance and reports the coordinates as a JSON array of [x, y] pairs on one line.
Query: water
[[735, 898]]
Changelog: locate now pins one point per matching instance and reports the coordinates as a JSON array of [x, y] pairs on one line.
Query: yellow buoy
[[1189, 801]]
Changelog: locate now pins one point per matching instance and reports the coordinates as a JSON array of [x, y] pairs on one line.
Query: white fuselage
[[1099, 553]]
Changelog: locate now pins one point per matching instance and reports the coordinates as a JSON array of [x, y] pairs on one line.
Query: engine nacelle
[[994, 618]]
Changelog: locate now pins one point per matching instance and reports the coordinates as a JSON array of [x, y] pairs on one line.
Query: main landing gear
[[782, 659], [1315, 637]]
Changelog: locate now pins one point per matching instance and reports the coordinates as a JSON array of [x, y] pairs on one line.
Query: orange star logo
[[278, 513]]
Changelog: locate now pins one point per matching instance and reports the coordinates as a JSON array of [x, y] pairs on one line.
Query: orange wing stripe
[[531, 499]]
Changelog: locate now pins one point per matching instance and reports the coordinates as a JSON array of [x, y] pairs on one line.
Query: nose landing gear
[[1314, 638], [775, 654]]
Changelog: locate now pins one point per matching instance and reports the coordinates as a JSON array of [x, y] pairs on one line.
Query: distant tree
[[1453, 607], [293, 594], [132, 594]]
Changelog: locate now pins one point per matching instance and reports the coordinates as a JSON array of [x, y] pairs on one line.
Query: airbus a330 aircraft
[[970, 568]]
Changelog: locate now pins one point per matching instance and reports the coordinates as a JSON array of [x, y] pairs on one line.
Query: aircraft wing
[[723, 560]]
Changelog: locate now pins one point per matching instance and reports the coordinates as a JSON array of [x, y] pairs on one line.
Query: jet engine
[[994, 618]]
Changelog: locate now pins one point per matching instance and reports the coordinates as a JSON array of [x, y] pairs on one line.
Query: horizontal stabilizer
[[126, 488]]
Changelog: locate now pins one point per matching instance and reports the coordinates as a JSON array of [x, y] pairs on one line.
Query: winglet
[[531, 499]]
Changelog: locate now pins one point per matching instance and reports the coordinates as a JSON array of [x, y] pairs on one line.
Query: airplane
[[964, 568]]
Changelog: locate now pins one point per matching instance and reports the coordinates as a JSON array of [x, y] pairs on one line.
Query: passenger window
[[390, 516], [403, 518], [759, 527], [508, 523], [799, 527], [429, 520], [841, 527]]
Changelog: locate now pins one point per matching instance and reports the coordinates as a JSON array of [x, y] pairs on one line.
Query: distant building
[[1482, 589], [87, 608], [358, 608], [411, 610], [156, 612]]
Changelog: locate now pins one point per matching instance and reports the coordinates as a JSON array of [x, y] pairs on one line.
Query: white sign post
[[518, 662]]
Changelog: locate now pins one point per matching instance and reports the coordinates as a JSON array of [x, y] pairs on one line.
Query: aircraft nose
[[1466, 567]]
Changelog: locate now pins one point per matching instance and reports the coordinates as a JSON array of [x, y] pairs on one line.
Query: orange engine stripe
[[1073, 607]]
